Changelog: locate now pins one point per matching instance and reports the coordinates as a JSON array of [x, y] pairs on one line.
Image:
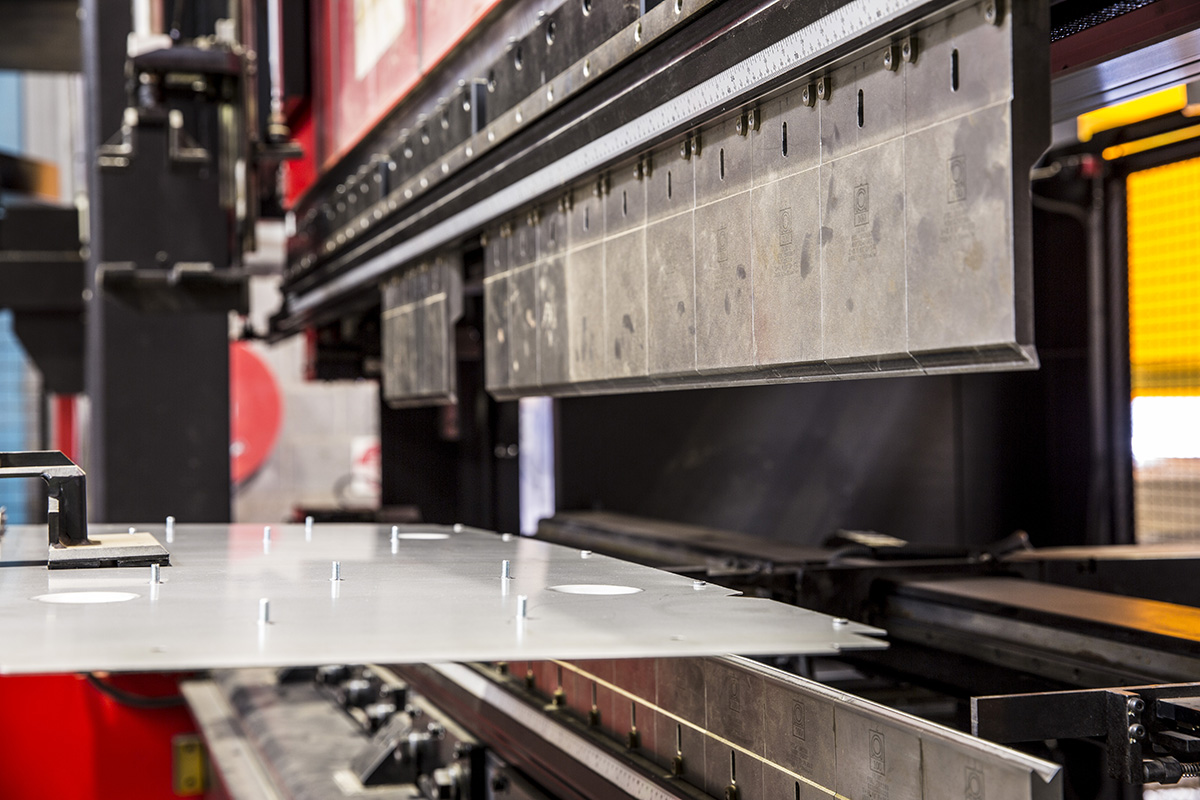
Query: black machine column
[[158, 380]]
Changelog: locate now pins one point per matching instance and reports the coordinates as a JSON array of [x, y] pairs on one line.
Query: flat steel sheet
[[429, 594]]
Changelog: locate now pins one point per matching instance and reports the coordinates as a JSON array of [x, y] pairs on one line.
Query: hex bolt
[[506, 569], [522, 606], [154, 574], [336, 572], [264, 611]]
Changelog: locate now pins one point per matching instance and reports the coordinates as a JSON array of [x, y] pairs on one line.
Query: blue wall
[[15, 420]]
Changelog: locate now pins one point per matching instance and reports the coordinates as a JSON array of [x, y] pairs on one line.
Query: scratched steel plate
[[435, 594]]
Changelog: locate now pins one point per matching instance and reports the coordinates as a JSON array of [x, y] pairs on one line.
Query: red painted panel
[[443, 24], [256, 411], [301, 173], [367, 55], [62, 738], [65, 431], [369, 48]]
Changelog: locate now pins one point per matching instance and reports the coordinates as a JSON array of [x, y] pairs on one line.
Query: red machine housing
[[366, 56]]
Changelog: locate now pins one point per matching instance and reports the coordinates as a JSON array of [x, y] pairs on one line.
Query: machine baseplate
[[428, 594]]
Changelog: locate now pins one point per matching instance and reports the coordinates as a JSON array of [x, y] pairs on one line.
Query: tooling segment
[[239, 595], [867, 219], [729, 721], [420, 308]]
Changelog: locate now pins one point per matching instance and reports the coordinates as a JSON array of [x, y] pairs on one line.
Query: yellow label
[[188, 765]]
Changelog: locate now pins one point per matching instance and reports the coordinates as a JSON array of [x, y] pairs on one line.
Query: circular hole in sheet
[[594, 589], [85, 598]]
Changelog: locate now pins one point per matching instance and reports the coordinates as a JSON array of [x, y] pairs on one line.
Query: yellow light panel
[[1116, 116], [1150, 143], [1164, 279]]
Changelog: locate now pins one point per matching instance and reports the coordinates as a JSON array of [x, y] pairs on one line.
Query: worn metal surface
[[271, 740], [240, 770], [436, 594], [1076, 636], [419, 311], [875, 229], [1126, 76], [40, 36], [721, 722]]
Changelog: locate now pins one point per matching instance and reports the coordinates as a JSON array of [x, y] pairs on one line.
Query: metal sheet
[[436, 594]]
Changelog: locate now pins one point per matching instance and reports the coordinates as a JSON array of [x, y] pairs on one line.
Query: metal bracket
[[67, 513], [181, 148], [119, 150], [1138, 724]]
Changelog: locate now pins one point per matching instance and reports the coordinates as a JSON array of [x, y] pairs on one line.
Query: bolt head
[[990, 12], [888, 61], [806, 95], [822, 89], [740, 125], [1137, 731]]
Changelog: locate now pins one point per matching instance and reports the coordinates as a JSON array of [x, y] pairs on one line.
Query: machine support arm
[[67, 513]]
